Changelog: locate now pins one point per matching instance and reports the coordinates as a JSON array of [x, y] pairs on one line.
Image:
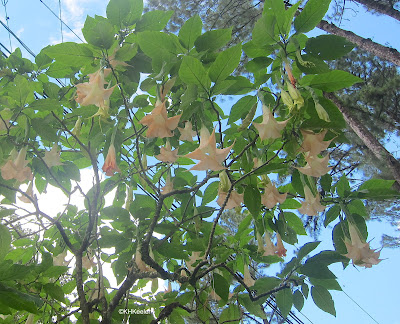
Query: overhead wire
[[61, 21], [4, 3]]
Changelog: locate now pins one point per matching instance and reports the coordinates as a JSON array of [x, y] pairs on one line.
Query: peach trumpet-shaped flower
[[187, 133], [110, 163], [235, 199], [167, 154], [272, 196], [169, 186], [52, 157], [269, 247], [311, 206], [93, 92], [280, 249], [314, 143], [315, 166], [158, 123], [210, 158], [359, 251], [17, 169], [192, 260], [29, 192], [269, 128], [247, 278]]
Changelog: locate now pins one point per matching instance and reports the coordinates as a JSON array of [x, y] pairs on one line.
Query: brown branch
[[384, 52], [381, 8], [369, 140], [167, 310]]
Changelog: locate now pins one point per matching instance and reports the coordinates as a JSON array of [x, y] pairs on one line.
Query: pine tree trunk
[[370, 141]]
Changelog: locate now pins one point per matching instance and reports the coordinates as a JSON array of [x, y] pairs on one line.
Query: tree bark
[[381, 8], [370, 141], [384, 52]]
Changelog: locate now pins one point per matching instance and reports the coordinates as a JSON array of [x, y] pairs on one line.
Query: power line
[[4, 3], [17, 38], [360, 307], [61, 24], [61, 21]]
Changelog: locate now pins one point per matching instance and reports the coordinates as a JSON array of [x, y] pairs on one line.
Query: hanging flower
[[269, 247], [235, 199], [207, 153], [314, 143], [359, 251], [167, 155], [59, 260], [280, 249], [248, 280], [159, 125], [192, 260], [315, 166], [17, 169], [110, 163], [142, 266], [169, 186], [269, 128], [187, 133], [88, 262], [52, 157], [93, 92], [311, 206], [29, 192], [272, 196]]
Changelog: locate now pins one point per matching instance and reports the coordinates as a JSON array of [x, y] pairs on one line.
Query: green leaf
[[317, 66], [98, 32], [331, 214], [221, 286], [5, 241], [298, 300], [213, 40], [241, 108], [153, 20], [192, 71], [296, 223], [210, 193], [69, 53], [258, 64], [44, 129], [20, 91], [276, 8], [328, 47], [284, 300], [343, 187], [55, 291], [172, 250], [157, 44], [252, 307], [266, 284], [46, 105], [252, 199], [189, 32], [231, 314], [18, 300], [330, 81], [330, 284], [226, 62], [323, 299], [124, 12], [316, 270], [311, 15], [264, 31], [307, 248]]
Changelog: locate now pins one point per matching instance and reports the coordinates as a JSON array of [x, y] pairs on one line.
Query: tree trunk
[[370, 141], [381, 8], [384, 52]]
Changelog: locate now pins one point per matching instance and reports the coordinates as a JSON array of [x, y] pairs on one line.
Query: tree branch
[[369, 140], [384, 52], [381, 8]]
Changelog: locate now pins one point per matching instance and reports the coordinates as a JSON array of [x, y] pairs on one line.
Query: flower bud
[[322, 114], [296, 96], [287, 99], [225, 183], [77, 128]]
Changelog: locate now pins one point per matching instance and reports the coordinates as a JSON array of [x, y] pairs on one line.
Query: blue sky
[[375, 289]]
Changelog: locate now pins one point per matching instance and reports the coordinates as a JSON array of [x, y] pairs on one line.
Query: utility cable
[[7, 50], [360, 307], [4, 3], [61, 21], [17, 38], [61, 24]]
